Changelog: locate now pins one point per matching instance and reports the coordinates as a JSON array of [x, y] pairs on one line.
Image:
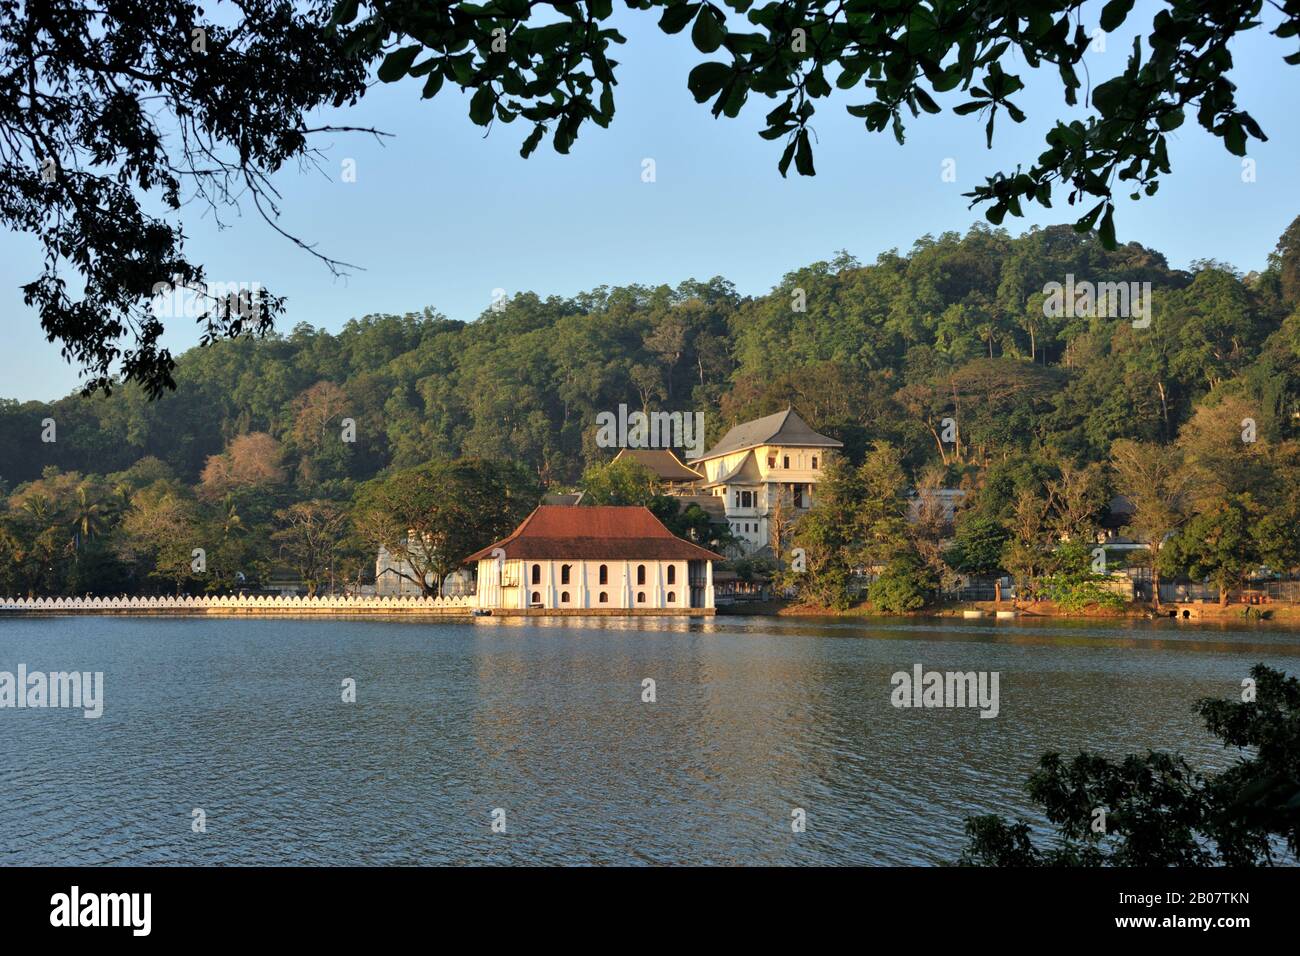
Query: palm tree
[[40, 509], [87, 518], [232, 524]]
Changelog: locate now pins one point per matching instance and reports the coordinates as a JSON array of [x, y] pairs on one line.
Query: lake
[[540, 724]]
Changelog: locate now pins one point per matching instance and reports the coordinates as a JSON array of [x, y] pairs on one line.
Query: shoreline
[[460, 608], [463, 608], [989, 610]]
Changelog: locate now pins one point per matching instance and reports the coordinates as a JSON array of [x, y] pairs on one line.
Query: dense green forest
[[877, 355]]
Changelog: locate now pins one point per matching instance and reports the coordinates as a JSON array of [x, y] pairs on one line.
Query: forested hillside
[[953, 328]]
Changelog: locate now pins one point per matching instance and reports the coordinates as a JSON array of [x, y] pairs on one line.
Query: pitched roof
[[783, 428], [714, 506], [743, 472], [601, 532], [555, 498], [662, 462]]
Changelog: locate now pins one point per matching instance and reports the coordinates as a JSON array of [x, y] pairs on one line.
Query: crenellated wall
[[233, 605]]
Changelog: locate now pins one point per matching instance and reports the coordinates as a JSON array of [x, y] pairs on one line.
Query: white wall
[[584, 589]]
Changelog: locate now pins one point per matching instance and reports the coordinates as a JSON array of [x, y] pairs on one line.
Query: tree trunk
[[943, 452]]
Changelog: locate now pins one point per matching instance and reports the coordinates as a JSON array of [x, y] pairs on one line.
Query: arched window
[[785, 461], [814, 462], [672, 574], [604, 574], [564, 597], [672, 597], [537, 574], [604, 598], [564, 573], [537, 598], [640, 574], [640, 597]]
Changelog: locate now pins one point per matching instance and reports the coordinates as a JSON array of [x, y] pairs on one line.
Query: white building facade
[[576, 558]]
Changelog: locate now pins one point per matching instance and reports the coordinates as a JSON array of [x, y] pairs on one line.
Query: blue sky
[[441, 215]]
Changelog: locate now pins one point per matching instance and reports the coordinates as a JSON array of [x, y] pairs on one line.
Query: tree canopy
[[890, 357], [111, 111], [1155, 809]]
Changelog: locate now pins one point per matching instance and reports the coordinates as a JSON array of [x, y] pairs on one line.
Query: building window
[[785, 462], [536, 598], [640, 574], [798, 495], [771, 460], [737, 499], [564, 573], [814, 462], [604, 574], [604, 598], [672, 597], [672, 574], [564, 597], [640, 597], [537, 574]]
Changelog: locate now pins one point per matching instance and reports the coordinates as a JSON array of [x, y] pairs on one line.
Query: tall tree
[[431, 517], [1160, 489], [310, 537]]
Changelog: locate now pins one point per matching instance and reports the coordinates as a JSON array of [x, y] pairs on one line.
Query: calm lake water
[[754, 717]]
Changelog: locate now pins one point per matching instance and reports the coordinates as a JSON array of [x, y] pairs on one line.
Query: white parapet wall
[[235, 605]]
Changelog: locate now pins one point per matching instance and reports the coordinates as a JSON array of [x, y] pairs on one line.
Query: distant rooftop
[[665, 465], [595, 533], [562, 498], [783, 428]]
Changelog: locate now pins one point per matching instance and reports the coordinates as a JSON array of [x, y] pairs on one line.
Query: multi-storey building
[[765, 472]]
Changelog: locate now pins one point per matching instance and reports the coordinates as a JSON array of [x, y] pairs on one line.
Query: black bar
[[213, 905]]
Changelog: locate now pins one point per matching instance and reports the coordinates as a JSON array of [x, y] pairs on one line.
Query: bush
[[905, 585], [1073, 594], [1074, 585]]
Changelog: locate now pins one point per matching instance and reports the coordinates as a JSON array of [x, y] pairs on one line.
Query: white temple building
[[578, 559]]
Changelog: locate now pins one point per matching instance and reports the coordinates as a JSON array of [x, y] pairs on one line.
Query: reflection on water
[[544, 719]]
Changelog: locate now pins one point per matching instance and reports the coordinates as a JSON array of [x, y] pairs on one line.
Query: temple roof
[[601, 532], [784, 428], [743, 472], [662, 462]]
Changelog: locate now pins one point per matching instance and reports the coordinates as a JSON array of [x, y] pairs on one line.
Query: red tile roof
[[603, 532]]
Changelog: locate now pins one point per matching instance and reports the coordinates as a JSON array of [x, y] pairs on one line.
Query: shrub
[[905, 585]]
